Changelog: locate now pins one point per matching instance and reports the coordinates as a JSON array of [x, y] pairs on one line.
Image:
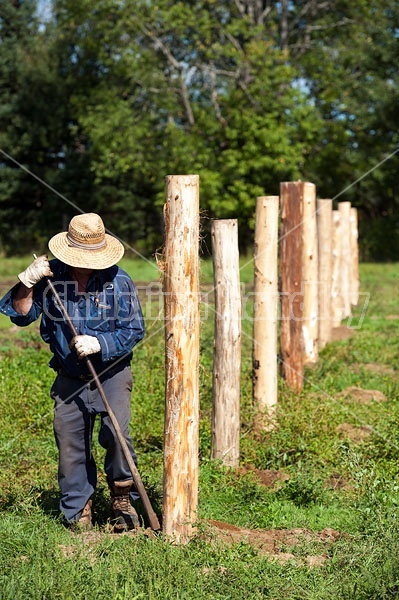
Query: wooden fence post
[[324, 235], [265, 312], [336, 298], [182, 317], [310, 275], [355, 284], [291, 250], [227, 347], [344, 209]]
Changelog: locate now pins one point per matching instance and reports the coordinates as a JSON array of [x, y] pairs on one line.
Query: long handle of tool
[[152, 517]]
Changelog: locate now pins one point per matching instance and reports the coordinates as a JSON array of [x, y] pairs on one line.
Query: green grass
[[40, 559]]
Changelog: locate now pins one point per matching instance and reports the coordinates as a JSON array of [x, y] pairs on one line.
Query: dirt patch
[[88, 540], [20, 337], [355, 433], [392, 317], [380, 369], [360, 396], [374, 368], [343, 332], [337, 482], [266, 477], [276, 543]]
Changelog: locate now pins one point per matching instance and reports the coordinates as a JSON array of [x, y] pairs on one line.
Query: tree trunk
[[291, 250], [344, 209], [227, 347], [310, 275], [181, 300], [324, 234], [336, 298], [265, 312], [355, 283]]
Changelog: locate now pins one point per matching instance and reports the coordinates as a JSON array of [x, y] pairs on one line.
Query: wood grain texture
[[227, 344], [265, 363], [182, 317]]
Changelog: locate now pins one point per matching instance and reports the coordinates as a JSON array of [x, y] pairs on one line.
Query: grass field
[[312, 512]]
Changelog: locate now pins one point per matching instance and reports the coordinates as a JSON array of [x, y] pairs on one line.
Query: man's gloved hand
[[35, 272], [85, 345]]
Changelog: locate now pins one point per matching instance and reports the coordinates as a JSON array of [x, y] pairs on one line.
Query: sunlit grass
[[40, 559]]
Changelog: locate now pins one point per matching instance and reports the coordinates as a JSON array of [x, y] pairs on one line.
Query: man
[[102, 302]]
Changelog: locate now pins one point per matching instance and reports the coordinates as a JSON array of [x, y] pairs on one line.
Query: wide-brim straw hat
[[86, 245]]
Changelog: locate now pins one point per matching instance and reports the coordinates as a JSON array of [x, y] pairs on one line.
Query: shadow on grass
[[48, 501]]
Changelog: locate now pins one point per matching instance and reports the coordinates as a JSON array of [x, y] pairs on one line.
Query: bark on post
[[182, 317], [336, 298], [355, 283], [324, 235], [265, 312], [227, 347], [344, 209], [310, 275], [291, 249]]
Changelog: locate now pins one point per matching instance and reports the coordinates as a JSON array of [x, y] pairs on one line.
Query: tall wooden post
[[344, 209], [182, 317], [291, 251], [355, 257], [336, 297], [310, 275], [227, 347], [265, 312], [324, 234]]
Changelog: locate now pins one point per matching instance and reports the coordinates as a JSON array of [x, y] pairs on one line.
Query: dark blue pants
[[76, 404]]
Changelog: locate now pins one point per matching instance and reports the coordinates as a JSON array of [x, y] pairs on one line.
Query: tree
[[186, 87], [33, 130], [349, 66], [245, 93]]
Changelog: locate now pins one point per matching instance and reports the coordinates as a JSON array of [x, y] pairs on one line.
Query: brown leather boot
[[124, 516], [84, 523]]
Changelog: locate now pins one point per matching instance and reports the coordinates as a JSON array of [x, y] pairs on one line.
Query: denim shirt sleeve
[[7, 309]]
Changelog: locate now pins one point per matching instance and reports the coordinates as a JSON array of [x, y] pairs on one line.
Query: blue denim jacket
[[109, 310]]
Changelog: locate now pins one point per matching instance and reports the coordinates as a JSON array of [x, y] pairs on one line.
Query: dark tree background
[[103, 98]]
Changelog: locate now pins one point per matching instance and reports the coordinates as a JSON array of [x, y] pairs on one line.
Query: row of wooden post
[[306, 279], [319, 270]]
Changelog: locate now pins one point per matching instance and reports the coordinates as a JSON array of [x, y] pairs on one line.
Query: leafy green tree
[[111, 96], [349, 66], [187, 87], [16, 24], [32, 126]]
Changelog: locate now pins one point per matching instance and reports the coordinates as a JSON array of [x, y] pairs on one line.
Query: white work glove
[[85, 345], [35, 272]]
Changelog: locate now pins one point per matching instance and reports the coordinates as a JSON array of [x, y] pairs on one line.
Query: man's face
[[81, 271]]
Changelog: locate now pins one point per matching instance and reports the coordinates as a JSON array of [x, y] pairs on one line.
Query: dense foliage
[[103, 98]]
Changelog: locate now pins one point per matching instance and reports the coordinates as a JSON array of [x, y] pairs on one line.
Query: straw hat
[[86, 245]]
